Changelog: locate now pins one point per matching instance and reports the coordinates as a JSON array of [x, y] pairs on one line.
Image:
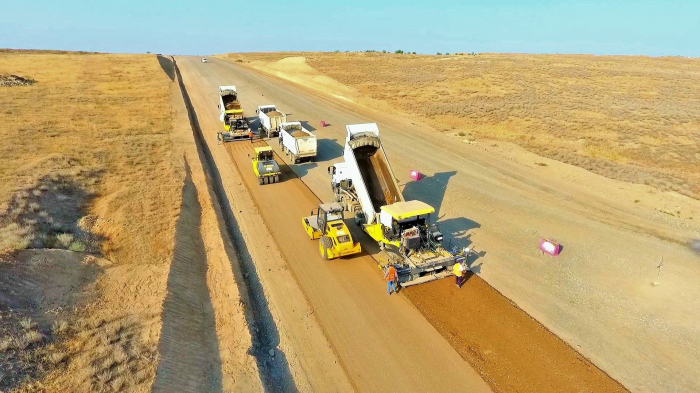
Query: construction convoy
[[363, 184]]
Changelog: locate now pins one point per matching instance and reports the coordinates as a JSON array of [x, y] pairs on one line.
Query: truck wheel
[[277, 178], [326, 244], [260, 181]]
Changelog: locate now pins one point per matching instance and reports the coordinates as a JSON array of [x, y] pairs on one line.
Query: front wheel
[[325, 244]]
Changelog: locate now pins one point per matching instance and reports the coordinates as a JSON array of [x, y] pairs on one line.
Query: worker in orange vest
[[460, 272], [250, 135], [391, 277]]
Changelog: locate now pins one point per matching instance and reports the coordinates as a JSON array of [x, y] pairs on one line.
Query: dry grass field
[[89, 197], [635, 119]]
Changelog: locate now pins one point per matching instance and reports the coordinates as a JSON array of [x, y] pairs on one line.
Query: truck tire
[[326, 244], [277, 178], [260, 181]]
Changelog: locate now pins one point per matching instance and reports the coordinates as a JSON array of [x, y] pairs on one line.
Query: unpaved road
[[383, 343], [597, 298]]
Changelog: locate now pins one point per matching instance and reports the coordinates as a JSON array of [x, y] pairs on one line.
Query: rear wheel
[[260, 181], [325, 244], [277, 178]]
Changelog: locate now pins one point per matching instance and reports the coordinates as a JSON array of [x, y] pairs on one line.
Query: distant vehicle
[[204, 59]]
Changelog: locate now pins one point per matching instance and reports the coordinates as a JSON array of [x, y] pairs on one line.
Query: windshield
[[334, 217]]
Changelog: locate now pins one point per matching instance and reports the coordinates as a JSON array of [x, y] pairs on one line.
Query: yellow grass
[[635, 119], [92, 136]]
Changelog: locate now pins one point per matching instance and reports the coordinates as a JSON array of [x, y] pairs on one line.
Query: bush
[[439, 54], [64, 240], [399, 52], [77, 246]]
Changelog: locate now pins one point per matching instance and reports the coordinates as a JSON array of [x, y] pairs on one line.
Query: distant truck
[[298, 142], [270, 120], [236, 125]]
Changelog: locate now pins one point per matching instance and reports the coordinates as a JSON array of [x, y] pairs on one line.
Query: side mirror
[[329, 170], [256, 111], [248, 155]]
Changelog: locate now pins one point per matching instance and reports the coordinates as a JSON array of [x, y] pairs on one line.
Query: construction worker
[[390, 276], [460, 271], [250, 135]]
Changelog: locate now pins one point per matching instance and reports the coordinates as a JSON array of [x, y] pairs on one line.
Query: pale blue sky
[[204, 27]]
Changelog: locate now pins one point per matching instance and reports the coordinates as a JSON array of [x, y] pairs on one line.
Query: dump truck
[[265, 167], [270, 120], [236, 125], [298, 142], [327, 225], [365, 185]]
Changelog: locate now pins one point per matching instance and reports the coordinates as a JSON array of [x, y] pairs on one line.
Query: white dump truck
[[270, 119], [298, 142], [365, 184], [235, 122]]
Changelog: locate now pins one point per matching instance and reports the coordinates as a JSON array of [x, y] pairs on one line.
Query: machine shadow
[[429, 189], [328, 149], [275, 375], [167, 65]]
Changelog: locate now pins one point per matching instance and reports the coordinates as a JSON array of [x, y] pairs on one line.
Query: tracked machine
[[364, 184], [236, 125]]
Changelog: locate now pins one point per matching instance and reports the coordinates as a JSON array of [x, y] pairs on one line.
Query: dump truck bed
[[369, 169]]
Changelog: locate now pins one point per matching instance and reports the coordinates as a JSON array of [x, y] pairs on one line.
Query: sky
[[656, 28]]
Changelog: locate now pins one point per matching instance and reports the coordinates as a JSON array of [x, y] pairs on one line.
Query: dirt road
[[358, 321], [488, 197]]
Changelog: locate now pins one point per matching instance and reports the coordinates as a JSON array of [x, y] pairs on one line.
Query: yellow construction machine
[[328, 226], [265, 167]]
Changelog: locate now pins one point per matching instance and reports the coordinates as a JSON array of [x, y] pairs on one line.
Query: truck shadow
[[429, 189], [301, 169], [306, 125], [328, 149]]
